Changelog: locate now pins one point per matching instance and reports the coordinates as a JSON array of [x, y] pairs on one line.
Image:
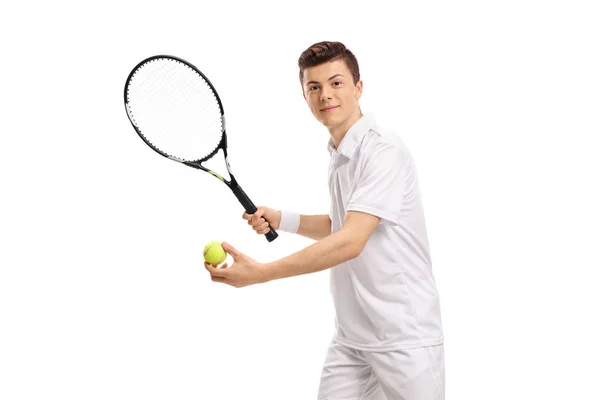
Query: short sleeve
[[380, 185]]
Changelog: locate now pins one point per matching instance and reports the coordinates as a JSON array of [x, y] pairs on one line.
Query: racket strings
[[175, 109]]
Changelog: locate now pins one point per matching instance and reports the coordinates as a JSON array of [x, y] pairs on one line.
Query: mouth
[[328, 109]]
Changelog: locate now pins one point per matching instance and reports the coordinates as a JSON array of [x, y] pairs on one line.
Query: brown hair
[[322, 52]]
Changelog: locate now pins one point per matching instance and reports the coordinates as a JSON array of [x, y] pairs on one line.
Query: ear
[[358, 89]]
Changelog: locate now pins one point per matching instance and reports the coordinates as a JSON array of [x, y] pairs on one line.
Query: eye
[[314, 87], [337, 83]]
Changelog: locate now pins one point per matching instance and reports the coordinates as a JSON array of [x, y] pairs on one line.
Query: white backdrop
[[103, 294]]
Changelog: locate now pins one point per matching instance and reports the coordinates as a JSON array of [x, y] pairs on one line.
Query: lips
[[327, 109]]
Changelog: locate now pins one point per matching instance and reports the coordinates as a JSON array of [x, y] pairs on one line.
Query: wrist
[[270, 271], [290, 221]]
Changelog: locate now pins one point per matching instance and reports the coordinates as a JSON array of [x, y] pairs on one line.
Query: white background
[[103, 294]]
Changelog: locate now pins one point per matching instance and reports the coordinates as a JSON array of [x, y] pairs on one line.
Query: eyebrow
[[335, 76]]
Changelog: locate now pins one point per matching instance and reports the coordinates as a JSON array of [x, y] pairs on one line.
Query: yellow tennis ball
[[214, 253]]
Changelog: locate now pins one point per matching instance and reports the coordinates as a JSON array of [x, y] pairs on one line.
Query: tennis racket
[[177, 112]]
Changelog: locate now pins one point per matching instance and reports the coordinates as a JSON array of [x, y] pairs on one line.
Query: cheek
[[314, 105]]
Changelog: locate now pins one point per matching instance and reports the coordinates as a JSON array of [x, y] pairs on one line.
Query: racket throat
[[219, 177], [214, 165]]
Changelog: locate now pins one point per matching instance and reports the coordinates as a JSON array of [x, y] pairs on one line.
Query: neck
[[338, 132]]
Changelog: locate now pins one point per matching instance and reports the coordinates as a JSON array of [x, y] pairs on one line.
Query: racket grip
[[251, 209]]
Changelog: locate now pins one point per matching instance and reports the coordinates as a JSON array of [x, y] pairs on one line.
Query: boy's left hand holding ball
[[244, 271]]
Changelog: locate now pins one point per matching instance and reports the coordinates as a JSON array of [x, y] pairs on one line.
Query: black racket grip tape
[[251, 209]]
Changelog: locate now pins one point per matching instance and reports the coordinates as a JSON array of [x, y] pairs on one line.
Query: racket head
[[175, 109]]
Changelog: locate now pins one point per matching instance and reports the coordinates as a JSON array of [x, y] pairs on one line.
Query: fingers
[[263, 229], [255, 218], [216, 272], [218, 279], [257, 221], [260, 227], [257, 215], [230, 249]]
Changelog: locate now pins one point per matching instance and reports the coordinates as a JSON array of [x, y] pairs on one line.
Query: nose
[[325, 94]]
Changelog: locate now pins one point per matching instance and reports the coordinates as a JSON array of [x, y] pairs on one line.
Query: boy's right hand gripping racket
[[176, 110]]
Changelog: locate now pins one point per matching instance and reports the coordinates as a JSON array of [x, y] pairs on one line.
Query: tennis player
[[388, 341]]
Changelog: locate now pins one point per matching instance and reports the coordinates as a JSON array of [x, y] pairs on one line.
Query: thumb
[[230, 249], [258, 214]]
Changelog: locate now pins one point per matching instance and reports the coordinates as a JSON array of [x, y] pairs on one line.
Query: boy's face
[[330, 93]]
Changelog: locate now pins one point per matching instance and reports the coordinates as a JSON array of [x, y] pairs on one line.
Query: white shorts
[[415, 374]]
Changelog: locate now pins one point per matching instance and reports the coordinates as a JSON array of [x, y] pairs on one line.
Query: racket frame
[[197, 164]]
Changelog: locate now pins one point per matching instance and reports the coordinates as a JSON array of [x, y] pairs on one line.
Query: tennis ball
[[214, 253]]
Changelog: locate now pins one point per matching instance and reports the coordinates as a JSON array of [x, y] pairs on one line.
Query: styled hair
[[322, 52]]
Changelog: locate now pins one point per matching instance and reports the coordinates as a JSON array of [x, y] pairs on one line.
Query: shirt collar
[[353, 137]]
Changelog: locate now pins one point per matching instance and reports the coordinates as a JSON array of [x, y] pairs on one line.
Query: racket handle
[[251, 209]]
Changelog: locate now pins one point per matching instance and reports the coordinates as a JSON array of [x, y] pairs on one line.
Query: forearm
[[314, 226], [326, 253]]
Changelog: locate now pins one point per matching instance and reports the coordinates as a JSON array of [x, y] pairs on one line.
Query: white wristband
[[290, 221]]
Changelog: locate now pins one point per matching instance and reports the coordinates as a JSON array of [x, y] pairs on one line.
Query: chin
[[329, 123], [333, 122]]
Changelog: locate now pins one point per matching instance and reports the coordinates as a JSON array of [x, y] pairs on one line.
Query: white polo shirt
[[386, 298]]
